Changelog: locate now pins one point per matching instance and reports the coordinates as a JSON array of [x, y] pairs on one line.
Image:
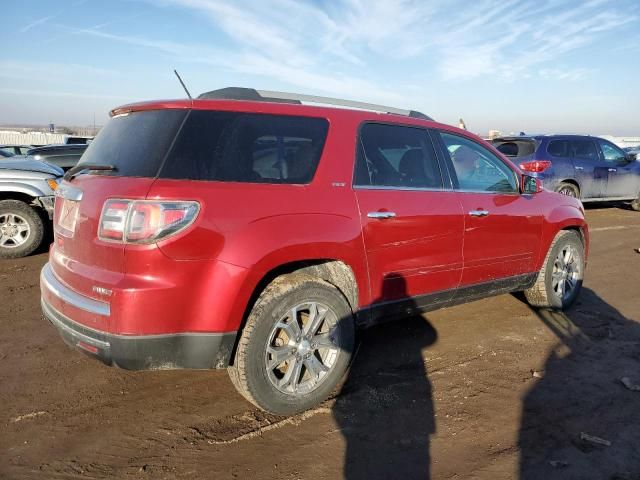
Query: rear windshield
[[515, 148], [247, 147], [136, 143]]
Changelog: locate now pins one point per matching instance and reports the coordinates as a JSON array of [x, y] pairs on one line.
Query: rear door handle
[[381, 215], [613, 170], [579, 168], [479, 213]]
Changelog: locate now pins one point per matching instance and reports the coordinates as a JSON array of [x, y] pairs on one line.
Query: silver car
[[27, 189]]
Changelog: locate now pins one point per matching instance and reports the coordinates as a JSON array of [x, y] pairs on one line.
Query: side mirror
[[631, 157], [530, 185]]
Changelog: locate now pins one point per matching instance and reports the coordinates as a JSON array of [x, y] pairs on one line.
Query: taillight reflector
[[535, 166], [144, 221]]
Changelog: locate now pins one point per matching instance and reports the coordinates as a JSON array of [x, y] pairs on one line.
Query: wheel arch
[[21, 196], [571, 181], [333, 271], [563, 217]]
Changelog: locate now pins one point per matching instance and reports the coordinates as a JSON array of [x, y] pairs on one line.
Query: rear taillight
[[144, 221], [535, 166]]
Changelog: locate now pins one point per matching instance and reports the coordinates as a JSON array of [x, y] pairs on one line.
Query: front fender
[[25, 188], [567, 215]]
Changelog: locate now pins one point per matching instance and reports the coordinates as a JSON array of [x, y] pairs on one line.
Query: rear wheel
[[21, 229], [560, 278], [296, 345], [568, 189], [635, 205]]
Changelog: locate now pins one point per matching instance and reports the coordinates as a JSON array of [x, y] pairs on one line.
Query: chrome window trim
[[404, 189], [488, 192], [64, 293]]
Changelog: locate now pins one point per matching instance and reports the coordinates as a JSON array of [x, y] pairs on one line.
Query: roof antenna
[[182, 83]]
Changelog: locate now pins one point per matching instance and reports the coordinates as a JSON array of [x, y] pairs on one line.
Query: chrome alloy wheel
[[566, 272], [14, 230], [568, 191], [302, 348]]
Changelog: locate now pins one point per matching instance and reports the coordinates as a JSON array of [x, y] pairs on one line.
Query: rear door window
[[246, 147], [584, 150], [396, 156]]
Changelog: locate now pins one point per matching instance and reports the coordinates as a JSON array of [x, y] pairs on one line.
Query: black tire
[[544, 292], [568, 189], [251, 375], [22, 246]]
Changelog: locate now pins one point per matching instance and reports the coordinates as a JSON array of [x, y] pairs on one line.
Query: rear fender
[[316, 238]]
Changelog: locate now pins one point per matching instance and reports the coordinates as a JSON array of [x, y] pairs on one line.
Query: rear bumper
[[132, 352]]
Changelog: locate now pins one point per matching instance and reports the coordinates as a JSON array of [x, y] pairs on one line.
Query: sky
[[530, 65]]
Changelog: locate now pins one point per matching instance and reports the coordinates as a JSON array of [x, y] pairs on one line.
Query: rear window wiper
[[72, 172]]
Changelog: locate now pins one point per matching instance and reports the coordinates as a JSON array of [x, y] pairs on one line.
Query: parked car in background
[[27, 187], [63, 156], [589, 168], [16, 149], [633, 151], [245, 230], [5, 154]]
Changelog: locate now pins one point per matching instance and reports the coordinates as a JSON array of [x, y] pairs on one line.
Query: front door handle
[[381, 215], [479, 213], [579, 168], [613, 170]]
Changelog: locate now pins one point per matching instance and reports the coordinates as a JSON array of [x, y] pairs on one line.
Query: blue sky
[[535, 66]]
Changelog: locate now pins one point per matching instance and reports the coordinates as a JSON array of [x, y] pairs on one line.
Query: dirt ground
[[488, 390]]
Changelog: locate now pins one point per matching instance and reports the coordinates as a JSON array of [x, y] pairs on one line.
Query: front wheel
[[635, 205], [296, 345], [560, 279]]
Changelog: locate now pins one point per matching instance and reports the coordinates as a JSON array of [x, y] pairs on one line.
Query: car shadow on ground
[[387, 392], [580, 395]]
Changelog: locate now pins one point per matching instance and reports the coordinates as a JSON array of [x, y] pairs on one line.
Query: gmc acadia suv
[[248, 230]]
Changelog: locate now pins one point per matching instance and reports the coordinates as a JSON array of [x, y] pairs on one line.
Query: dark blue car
[[590, 168]]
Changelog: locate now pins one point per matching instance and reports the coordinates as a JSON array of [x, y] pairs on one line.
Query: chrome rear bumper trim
[[49, 281]]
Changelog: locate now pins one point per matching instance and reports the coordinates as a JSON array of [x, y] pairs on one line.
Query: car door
[[503, 228], [592, 172], [623, 175], [412, 228]]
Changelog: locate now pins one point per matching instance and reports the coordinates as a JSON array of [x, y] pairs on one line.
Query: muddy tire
[[560, 280], [568, 189], [296, 345], [21, 229]]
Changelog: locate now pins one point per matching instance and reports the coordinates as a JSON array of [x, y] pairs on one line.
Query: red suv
[[247, 230]]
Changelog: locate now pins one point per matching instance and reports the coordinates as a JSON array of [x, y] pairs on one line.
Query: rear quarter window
[[559, 148], [246, 147]]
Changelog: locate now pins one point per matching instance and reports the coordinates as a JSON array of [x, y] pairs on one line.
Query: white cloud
[[341, 48]]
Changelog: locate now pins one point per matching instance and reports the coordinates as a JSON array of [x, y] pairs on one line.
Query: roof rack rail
[[239, 93]]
